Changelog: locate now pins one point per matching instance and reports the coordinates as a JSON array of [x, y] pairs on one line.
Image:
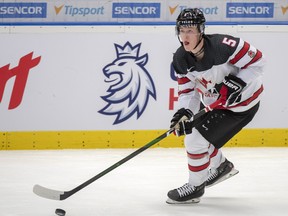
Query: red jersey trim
[[183, 80], [240, 54], [185, 91], [255, 58]]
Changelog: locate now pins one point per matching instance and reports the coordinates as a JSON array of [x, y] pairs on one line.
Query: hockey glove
[[185, 127], [181, 115], [230, 91]]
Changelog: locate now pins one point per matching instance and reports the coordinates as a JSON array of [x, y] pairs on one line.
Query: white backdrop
[[63, 92]]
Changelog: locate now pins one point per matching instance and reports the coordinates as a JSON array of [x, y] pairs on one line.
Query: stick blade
[[47, 193]]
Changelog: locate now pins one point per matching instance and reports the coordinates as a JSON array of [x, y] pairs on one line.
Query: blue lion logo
[[130, 84]]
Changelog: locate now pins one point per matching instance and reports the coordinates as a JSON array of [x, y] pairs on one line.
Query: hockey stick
[[62, 195]]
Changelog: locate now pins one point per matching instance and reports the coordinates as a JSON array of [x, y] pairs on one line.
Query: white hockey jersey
[[223, 55]]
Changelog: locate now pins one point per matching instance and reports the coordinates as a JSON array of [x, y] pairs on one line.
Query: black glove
[[185, 127], [181, 115], [230, 91]]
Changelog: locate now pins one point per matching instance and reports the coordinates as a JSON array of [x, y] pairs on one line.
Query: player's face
[[189, 36]]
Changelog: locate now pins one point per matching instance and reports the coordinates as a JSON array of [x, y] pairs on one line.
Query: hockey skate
[[186, 194], [225, 171]]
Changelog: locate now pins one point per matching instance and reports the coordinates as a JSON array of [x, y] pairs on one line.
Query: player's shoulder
[[222, 46], [222, 42], [222, 38], [180, 52], [182, 60]]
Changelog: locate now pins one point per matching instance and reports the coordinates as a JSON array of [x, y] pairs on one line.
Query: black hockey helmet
[[191, 17]]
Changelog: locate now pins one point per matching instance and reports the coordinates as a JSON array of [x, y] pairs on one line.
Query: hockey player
[[210, 68]]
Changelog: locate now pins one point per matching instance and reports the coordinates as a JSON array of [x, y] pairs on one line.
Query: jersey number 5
[[229, 42]]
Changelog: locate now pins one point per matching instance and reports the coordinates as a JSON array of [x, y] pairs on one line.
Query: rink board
[[128, 139]]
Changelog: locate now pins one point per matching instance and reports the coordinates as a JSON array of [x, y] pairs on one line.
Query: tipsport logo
[[130, 85], [205, 10], [284, 9], [20, 73], [70, 10]]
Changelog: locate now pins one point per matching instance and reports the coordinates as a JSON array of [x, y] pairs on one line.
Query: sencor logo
[[250, 10], [136, 10], [23, 10]]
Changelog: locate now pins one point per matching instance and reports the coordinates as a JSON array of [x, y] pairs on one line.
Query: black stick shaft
[[109, 169], [133, 154]]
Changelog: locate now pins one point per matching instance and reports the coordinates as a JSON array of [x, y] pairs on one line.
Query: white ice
[[139, 186]]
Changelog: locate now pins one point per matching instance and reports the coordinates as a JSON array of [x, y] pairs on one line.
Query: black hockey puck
[[60, 212]]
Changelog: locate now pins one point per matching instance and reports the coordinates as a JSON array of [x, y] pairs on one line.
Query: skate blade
[[227, 176], [192, 201]]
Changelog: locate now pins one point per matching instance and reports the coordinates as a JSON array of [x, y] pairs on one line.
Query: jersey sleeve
[[249, 60], [245, 55], [188, 98], [249, 64]]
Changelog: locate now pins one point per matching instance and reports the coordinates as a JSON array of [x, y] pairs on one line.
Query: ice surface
[[139, 187]]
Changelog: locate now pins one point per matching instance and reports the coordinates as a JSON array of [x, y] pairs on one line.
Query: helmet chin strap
[[198, 41]]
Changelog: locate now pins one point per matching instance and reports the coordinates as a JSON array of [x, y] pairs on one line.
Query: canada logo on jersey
[[130, 84], [251, 54]]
